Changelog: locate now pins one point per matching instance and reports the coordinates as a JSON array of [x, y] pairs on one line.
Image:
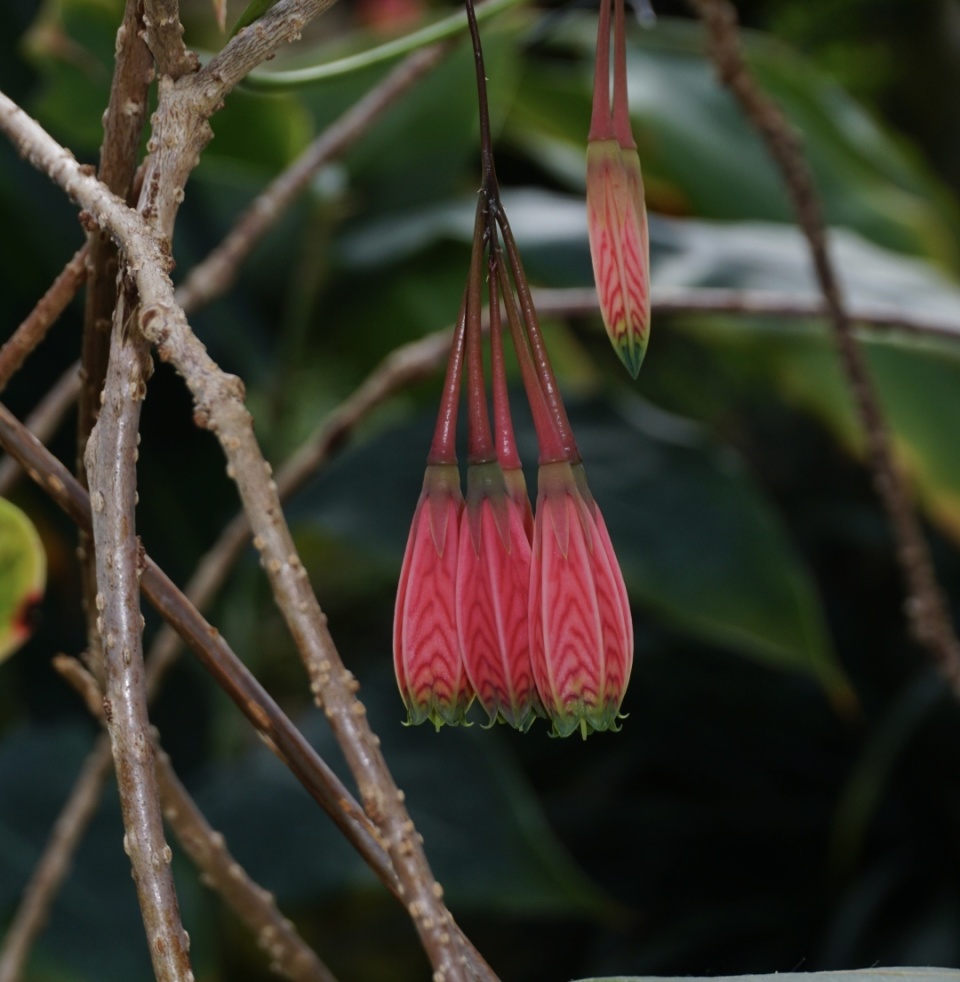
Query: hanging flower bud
[[426, 651], [581, 634], [493, 577], [616, 213]]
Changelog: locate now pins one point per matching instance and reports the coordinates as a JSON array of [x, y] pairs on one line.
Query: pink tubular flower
[[426, 651], [581, 633], [616, 213], [493, 577]]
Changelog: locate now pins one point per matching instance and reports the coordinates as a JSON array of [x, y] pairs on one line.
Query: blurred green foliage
[[786, 790]]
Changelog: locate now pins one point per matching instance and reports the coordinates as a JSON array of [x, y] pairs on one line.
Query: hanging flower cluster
[[616, 213], [529, 615]]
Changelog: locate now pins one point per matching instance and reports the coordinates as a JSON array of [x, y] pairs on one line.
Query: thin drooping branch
[[927, 614], [218, 401], [290, 956], [217, 273], [872, 318], [112, 476], [49, 307], [54, 863], [44, 421]]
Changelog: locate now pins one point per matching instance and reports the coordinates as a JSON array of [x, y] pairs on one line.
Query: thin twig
[[217, 273], [290, 956], [279, 734], [112, 475], [44, 421], [926, 612], [49, 307], [54, 863]]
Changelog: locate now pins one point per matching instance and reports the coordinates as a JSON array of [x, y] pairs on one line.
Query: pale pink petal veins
[[426, 649], [617, 227], [568, 659], [492, 586]]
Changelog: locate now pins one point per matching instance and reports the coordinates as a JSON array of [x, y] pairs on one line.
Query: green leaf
[[23, 576], [918, 377], [698, 543]]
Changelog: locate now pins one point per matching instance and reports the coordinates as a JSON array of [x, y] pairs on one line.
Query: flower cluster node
[[524, 612]]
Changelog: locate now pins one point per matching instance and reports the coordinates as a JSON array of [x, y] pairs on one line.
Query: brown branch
[[216, 274], [218, 401], [290, 956], [227, 669], [49, 307], [163, 35], [44, 421], [54, 864], [111, 471], [926, 612]]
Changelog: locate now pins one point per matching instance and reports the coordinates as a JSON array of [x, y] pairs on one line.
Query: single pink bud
[[619, 247], [581, 633], [493, 578], [426, 650]]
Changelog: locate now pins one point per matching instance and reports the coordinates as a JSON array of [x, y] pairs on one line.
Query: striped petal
[[493, 578], [619, 247], [581, 636], [426, 650]]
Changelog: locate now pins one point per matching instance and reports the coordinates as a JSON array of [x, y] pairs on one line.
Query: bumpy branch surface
[[926, 611], [290, 956], [163, 34], [111, 471], [218, 400]]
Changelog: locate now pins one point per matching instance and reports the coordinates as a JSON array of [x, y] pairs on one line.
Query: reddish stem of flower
[[548, 436], [479, 438], [541, 360], [443, 449], [607, 124], [621, 106], [503, 424], [600, 120]]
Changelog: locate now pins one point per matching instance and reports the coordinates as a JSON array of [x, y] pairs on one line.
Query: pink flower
[[493, 577], [581, 633], [619, 249], [426, 650], [616, 213]]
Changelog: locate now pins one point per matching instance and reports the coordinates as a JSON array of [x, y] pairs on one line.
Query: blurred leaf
[[697, 542], [23, 574], [701, 158], [918, 377]]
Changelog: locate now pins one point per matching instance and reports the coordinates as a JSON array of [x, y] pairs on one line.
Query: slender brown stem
[[44, 421], [49, 307], [926, 612], [163, 35]]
